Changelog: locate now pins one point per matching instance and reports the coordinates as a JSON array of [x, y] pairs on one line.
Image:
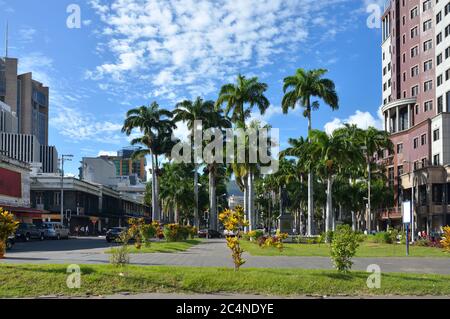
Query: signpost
[[406, 212]]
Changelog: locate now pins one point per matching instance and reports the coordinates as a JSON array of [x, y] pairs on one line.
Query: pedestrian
[[87, 230]]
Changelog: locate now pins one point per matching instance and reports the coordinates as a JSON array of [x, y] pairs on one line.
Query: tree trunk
[[329, 209], [369, 217], [154, 199], [158, 210], [212, 201], [310, 230], [353, 221], [251, 202], [196, 216], [177, 215]]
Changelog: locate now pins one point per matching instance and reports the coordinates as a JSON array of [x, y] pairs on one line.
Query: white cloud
[[185, 44], [40, 65], [361, 119], [27, 34]]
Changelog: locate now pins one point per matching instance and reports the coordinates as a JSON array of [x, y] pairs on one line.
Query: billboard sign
[[406, 212], [10, 183]]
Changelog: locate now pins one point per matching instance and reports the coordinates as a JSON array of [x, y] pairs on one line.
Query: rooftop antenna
[[6, 39]]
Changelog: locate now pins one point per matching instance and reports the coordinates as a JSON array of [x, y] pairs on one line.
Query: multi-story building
[[416, 106], [27, 98], [24, 109]]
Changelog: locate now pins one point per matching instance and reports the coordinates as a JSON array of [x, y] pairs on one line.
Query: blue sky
[[131, 52]]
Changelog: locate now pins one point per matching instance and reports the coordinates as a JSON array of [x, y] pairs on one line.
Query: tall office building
[[27, 98], [24, 107], [416, 106]]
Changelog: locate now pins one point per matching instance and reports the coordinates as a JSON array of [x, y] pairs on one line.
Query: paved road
[[212, 253]]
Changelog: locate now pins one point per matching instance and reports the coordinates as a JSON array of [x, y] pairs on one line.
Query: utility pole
[[64, 157]]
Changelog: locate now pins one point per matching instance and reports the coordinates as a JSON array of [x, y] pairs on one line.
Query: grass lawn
[[365, 250], [162, 247], [44, 280]]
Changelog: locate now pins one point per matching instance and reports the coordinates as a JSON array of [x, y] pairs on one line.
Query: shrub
[[445, 241], [7, 227], [176, 232], [233, 221], [343, 248], [136, 230], [120, 256]]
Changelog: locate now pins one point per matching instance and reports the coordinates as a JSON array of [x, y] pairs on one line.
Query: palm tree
[[156, 127], [245, 92], [248, 92], [190, 112], [299, 89], [367, 142]]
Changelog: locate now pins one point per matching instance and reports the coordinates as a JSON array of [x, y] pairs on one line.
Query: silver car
[[55, 230]]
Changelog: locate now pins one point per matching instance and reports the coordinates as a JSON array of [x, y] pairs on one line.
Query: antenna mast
[[6, 39]]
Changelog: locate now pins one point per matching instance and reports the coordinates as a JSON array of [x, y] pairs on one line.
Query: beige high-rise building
[[28, 99]]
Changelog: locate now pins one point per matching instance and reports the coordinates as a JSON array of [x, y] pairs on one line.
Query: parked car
[[113, 234], [27, 232], [209, 233], [55, 230], [10, 242]]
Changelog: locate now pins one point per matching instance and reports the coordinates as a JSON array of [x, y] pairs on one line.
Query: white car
[[228, 233]]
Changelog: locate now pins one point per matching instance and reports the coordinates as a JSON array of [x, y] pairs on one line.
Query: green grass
[[44, 280], [162, 247], [365, 250]]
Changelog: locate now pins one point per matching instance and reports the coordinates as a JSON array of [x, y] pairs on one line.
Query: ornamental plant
[[136, 231], [158, 228], [233, 221], [445, 241], [8, 226], [177, 232], [274, 241], [343, 248]]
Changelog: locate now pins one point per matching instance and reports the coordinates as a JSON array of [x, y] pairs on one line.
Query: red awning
[[24, 210]]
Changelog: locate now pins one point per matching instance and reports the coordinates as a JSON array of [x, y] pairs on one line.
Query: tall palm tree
[[190, 112], [156, 127], [366, 143], [239, 100], [244, 92], [300, 89]]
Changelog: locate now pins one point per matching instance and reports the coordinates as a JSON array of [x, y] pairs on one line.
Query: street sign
[[406, 212]]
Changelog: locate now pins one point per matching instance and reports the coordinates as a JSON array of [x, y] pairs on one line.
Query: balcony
[[398, 115], [391, 213]]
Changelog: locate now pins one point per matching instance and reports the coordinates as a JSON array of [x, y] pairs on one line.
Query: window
[[428, 45], [423, 139], [447, 30], [436, 135], [439, 80], [400, 170], [416, 142], [428, 85], [414, 51], [56, 198], [414, 71], [436, 160], [439, 38], [427, 25], [426, 5], [447, 75], [400, 148], [414, 12], [440, 104], [415, 90], [439, 59], [447, 8], [447, 52], [438, 17], [417, 109], [428, 65], [414, 32], [428, 106]]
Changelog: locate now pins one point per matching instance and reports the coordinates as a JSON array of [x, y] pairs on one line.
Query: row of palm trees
[[331, 157]]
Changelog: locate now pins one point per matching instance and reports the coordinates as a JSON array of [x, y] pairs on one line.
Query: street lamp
[[64, 157], [411, 173]]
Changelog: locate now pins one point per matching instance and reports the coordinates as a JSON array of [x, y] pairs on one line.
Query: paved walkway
[[212, 253]]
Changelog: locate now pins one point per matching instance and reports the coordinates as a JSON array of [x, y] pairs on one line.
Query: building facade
[[415, 106]]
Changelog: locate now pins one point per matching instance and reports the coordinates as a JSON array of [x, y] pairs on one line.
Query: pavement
[[211, 253]]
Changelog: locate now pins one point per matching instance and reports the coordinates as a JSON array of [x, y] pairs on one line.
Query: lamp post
[[64, 157], [411, 173]]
